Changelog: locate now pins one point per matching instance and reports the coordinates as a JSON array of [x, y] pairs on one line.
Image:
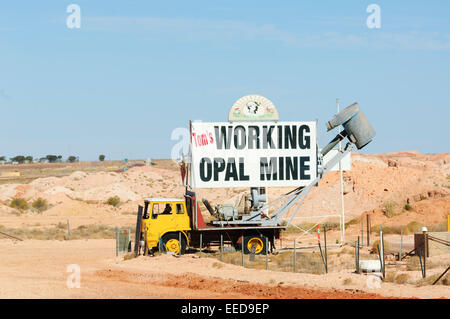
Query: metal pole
[[381, 262], [145, 242], [368, 229], [362, 233], [159, 243], [242, 249], [295, 258], [382, 248], [441, 275], [420, 260], [342, 184], [267, 254], [221, 247], [179, 243], [356, 258], [201, 238], [357, 255], [425, 252], [326, 253], [117, 241], [401, 246]]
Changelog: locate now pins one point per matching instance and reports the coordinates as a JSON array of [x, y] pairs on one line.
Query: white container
[[371, 265]]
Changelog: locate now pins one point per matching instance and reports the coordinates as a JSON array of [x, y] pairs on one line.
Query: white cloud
[[228, 30]]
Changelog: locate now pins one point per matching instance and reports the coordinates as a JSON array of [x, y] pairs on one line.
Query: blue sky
[[136, 70]]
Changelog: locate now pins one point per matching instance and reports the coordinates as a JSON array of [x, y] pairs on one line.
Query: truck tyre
[[171, 243], [258, 241]]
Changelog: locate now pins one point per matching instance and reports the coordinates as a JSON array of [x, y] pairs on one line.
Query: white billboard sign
[[248, 154]]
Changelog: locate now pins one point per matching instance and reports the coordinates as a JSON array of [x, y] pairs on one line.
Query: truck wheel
[[171, 243], [258, 241]]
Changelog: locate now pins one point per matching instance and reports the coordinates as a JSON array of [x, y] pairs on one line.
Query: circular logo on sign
[[253, 107]]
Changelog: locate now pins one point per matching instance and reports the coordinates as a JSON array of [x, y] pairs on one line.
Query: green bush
[[40, 204], [407, 207], [389, 208], [375, 245], [19, 203], [113, 201], [413, 227]]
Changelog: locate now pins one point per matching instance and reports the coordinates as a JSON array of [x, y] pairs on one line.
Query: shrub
[[407, 207], [40, 204], [19, 203], [101, 158], [413, 227], [377, 243], [113, 201], [389, 207], [347, 281], [413, 263], [401, 279], [423, 198]]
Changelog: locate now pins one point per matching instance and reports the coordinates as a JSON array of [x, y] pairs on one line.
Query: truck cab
[[165, 222]]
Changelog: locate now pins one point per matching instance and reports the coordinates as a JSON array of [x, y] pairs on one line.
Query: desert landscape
[[65, 214]]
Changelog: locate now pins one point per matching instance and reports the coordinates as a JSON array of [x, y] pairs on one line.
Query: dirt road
[[38, 269]]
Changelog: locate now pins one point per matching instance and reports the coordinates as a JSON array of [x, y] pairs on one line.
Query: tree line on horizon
[[21, 159]]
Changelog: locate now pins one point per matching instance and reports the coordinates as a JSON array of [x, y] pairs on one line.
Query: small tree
[[40, 204], [29, 158], [52, 158], [72, 159], [101, 158], [2, 158], [19, 158]]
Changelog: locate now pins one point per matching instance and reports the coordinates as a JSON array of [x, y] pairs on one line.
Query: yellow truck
[[167, 224]]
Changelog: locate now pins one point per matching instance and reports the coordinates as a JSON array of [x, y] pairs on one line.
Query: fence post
[[401, 246], [357, 258], [145, 242], [159, 243], [179, 244], [295, 258], [267, 254], [68, 228], [326, 252], [381, 262], [242, 244], [425, 251], [221, 247], [201, 238], [362, 232], [420, 260], [368, 230], [117, 241]]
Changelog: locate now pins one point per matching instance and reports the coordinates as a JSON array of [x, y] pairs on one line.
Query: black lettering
[[291, 168], [239, 142], [268, 171], [205, 174], [281, 168], [253, 136], [304, 141], [222, 135], [242, 176], [219, 166], [231, 171], [290, 137], [304, 167], [267, 137]]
